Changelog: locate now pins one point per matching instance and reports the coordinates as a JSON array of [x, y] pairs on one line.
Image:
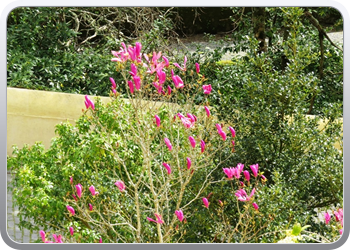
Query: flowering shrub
[[140, 170], [132, 170]]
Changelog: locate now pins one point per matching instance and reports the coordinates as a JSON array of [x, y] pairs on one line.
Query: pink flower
[[327, 217], [159, 219], [240, 167], [167, 142], [180, 215], [233, 144], [42, 234], [338, 217], [93, 191], [207, 110], [188, 162], [180, 115], [221, 132], [131, 86], [221, 203], [167, 166], [340, 211], [75, 198], [263, 177], [206, 202], [71, 230], [187, 122], [184, 65], [113, 83], [120, 185], [57, 239], [255, 206], [90, 207], [233, 132], [197, 68], [166, 61], [177, 80], [100, 240], [191, 117], [161, 76], [157, 120], [169, 90], [71, 180], [71, 210], [137, 82], [246, 175], [89, 103], [242, 195], [133, 71], [192, 141], [340, 231], [79, 189], [230, 172], [254, 169], [207, 89], [202, 146]]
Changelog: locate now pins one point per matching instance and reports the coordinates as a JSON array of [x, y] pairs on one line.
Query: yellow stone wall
[[32, 115]]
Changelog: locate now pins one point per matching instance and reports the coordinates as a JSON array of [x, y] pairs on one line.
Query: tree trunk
[[259, 16]]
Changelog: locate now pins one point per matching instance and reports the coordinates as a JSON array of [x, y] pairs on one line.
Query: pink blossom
[[187, 122], [206, 202], [133, 71], [254, 169], [42, 234], [166, 61], [137, 82], [327, 217], [246, 175], [177, 80], [157, 120], [167, 166], [161, 76], [233, 132], [240, 167], [233, 144], [167, 142], [192, 141], [255, 206], [71, 180], [71, 230], [113, 82], [89, 103], [207, 110], [79, 189], [183, 68], [159, 219], [221, 203], [340, 231], [197, 68], [169, 90], [242, 195], [71, 210], [188, 162], [202, 146], [221, 132], [131, 86], [75, 198], [263, 177], [92, 190], [180, 215], [191, 117], [180, 115], [120, 185], [337, 216], [100, 240], [230, 172], [207, 89], [90, 207]]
